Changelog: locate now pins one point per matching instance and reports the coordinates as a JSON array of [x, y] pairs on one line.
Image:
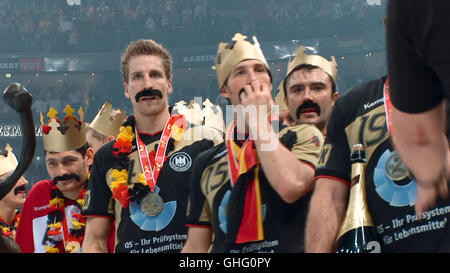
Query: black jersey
[[283, 223], [417, 44], [359, 117], [135, 231]]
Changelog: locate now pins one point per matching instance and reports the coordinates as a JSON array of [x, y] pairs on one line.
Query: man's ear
[[285, 100], [169, 83], [225, 92], [334, 97], [125, 86], [89, 156]]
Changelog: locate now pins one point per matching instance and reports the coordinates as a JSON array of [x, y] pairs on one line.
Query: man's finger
[[426, 199]]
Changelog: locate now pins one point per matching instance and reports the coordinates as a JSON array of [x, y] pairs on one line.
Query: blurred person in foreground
[[419, 71]]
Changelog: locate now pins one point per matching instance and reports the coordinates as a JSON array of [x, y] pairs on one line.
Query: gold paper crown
[[279, 98], [301, 58], [64, 135], [8, 161], [230, 54], [210, 115], [108, 120]]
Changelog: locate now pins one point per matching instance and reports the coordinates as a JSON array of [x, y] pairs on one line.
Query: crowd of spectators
[[102, 25]]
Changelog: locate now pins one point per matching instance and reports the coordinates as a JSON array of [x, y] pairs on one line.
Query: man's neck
[[153, 123], [7, 213]]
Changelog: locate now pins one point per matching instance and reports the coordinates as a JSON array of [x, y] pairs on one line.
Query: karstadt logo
[[180, 162]]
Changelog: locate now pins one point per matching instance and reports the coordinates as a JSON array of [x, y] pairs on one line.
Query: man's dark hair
[[307, 67], [82, 150]]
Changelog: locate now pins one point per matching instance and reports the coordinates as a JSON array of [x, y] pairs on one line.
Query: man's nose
[[308, 95], [148, 83], [62, 169]]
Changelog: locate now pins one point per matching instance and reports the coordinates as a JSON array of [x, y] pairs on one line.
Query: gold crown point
[[8, 161], [69, 111], [108, 120], [279, 98], [8, 148], [81, 113], [52, 113]]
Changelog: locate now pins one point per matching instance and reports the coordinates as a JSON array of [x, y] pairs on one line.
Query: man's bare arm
[[325, 216], [96, 235], [199, 240]]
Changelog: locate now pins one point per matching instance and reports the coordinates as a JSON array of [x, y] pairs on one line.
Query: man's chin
[[308, 119]]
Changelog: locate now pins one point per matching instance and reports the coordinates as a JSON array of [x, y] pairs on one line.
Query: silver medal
[[395, 168], [152, 204]]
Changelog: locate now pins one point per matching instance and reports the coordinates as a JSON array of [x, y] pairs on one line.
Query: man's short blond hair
[[145, 47]]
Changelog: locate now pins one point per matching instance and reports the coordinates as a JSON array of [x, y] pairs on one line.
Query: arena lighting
[[73, 2], [313, 49], [8, 75]]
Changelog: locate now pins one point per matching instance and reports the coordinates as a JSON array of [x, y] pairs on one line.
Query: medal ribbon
[[240, 161], [151, 173], [388, 106]]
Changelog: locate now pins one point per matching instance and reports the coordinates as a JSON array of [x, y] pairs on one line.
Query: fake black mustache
[[66, 177], [20, 188], [306, 105], [148, 93]]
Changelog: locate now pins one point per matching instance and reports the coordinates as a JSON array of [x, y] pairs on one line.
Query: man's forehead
[[62, 155], [315, 75], [138, 62], [247, 63]]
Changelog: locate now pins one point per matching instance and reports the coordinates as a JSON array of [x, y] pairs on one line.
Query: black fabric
[[418, 41], [236, 204]]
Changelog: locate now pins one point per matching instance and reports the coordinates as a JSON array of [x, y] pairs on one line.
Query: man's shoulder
[[195, 133], [42, 184], [212, 154], [298, 134], [40, 191], [106, 149], [363, 92]]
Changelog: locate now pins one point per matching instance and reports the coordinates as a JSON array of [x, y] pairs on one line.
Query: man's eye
[[52, 164], [319, 87], [68, 162]]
